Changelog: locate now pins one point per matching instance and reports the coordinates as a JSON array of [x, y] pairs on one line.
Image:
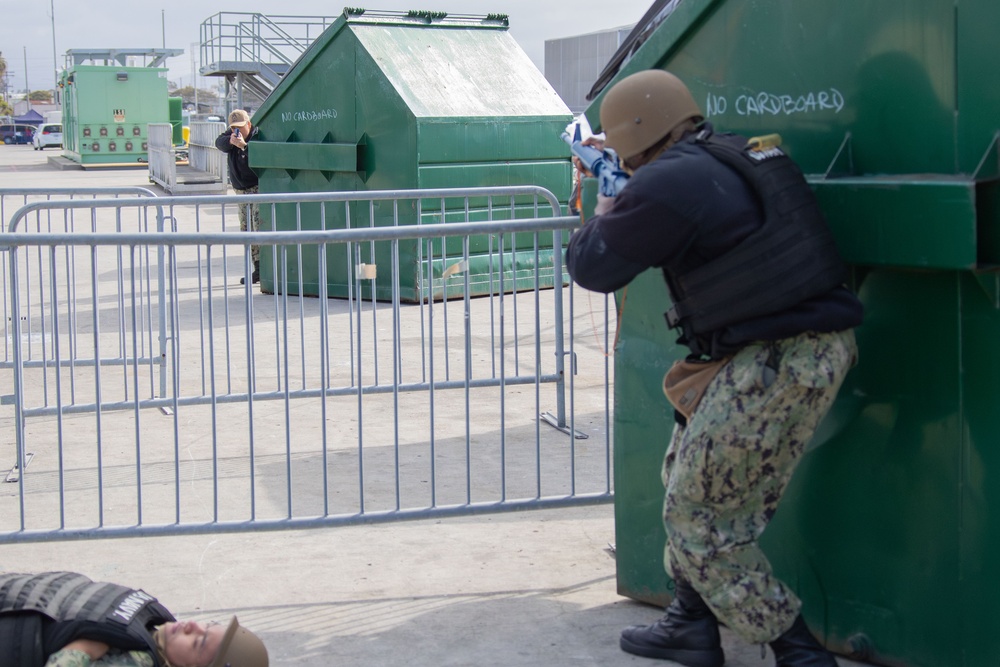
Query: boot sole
[[689, 658]]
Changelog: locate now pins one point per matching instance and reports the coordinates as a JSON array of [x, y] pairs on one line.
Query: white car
[[48, 134]]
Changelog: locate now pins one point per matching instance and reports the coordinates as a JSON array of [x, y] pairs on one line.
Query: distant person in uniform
[[233, 142], [758, 298], [63, 619]]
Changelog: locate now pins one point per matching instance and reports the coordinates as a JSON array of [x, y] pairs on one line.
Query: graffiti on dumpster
[[318, 114], [771, 104]]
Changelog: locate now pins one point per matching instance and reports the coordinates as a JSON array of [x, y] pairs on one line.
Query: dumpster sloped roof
[[445, 72]]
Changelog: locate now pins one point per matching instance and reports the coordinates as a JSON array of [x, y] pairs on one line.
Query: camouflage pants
[[725, 472], [251, 211]]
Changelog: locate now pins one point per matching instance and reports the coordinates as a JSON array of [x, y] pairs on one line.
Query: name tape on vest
[[130, 606]]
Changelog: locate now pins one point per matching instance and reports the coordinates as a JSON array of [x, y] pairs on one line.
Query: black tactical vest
[[789, 259], [41, 613]]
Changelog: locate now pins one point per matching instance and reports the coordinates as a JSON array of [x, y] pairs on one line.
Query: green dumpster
[[407, 100], [893, 109]]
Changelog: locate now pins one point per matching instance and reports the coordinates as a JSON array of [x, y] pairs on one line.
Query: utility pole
[[27, 88], [55, 63]]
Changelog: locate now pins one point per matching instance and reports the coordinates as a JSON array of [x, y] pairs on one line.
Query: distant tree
[[40, 96], [6, 109], [204, 96], [3, 66]]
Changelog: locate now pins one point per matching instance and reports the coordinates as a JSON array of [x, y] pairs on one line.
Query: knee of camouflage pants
[[249, 215], [725, 472]]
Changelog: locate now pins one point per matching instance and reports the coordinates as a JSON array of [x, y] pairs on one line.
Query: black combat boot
[[687, 634], [255, 276], [798, 648]]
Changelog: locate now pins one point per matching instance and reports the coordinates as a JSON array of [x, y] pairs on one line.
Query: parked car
[[48, 134], [16, 133]]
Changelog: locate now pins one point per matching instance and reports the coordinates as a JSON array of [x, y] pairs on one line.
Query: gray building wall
[[572, 64]]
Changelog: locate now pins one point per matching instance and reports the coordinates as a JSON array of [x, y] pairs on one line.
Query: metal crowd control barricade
[[54, 220], [153, 394]]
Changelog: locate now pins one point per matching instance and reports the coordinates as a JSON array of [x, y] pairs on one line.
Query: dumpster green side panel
[[644, 352], [893, 108]]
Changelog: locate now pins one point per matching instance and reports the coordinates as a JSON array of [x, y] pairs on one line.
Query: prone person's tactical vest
[[41, 613], [789, 259]]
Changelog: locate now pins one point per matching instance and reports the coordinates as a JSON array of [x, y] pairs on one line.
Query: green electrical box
[[893, 110], [408, 100], [107, 107]]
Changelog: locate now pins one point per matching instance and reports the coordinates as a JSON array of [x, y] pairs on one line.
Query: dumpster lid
[[441, 71]]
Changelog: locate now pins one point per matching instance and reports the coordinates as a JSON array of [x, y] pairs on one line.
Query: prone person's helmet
[[240, 648], [643, 108]]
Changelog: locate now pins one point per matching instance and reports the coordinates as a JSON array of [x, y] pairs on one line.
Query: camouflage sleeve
[[73, 658]]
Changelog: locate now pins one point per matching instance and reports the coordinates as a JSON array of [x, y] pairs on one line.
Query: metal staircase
[[253, 51]]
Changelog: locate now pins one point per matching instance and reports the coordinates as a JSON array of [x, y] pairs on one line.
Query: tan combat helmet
[[643, 108], [240, 648]]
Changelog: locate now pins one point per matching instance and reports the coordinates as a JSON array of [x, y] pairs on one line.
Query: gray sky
[[26, 28]]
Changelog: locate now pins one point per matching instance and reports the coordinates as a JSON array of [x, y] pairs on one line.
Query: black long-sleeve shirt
[[240, 173], [679, 212]]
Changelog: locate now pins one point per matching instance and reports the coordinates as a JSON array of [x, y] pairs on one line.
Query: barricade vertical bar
[[282, 280], [252, 375], [324, 361], [19, 438], [444, 292], [371, 250], [349, 247], [98, 386], [430, 364], [135, 384], [302, 312], [71, 312], [201, 311], [324, 357], [161, 306], [513, 291], [122, 343], [54, 304], [557, 286], [228, 342], [213, 393], [503, 379], [557, 309], [420, 293], [175, 375], [360, 386], [287, 383], [396, 351], [287, 387], [467, 302], [493, 325], [396, 356], [45, 339], [572, 379]]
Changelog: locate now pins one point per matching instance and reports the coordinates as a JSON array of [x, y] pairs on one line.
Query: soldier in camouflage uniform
[[769, 325]]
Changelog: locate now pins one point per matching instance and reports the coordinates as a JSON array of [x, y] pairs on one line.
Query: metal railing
[[206, 171], [203, 156], [265, 411], [251, 38]]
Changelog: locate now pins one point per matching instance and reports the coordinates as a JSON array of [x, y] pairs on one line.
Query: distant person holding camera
[[233, 142]]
